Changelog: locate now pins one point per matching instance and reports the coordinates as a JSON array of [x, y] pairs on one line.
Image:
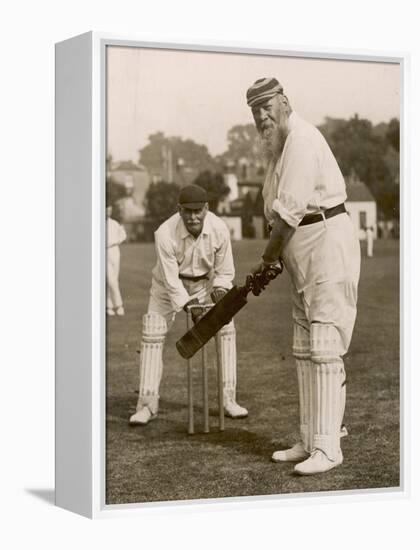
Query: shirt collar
[[206, 225]]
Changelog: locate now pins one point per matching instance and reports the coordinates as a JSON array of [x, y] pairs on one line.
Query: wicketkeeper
[[304, 194], [194, 265]]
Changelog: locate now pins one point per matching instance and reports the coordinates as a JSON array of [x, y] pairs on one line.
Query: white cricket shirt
[[305, 179], [178, 252], [115, 233]]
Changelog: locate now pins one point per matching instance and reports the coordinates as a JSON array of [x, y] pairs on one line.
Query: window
[[362, 219]]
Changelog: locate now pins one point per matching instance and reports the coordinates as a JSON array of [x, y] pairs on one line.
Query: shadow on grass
[[239, 435]]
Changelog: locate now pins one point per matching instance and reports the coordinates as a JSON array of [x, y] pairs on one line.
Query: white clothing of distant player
[[115, 236], [369, 242]]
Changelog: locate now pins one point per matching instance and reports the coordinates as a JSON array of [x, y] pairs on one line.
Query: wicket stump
[[204, 377]]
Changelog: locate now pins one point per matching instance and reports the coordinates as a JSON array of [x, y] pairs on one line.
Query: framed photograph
[[228, 274]]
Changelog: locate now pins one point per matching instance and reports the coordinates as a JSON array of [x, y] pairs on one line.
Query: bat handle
[[274, 270]]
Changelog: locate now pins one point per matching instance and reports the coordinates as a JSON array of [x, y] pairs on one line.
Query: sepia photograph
[[252, 275]]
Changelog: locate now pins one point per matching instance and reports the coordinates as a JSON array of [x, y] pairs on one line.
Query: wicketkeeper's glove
[[196, 312], [217, 294]]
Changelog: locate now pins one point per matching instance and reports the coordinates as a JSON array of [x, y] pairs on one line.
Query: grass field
[[160, 462]]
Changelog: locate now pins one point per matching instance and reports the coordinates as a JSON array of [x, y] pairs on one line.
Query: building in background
[[361, 206], [132, 181], [248, 207], [133, 177], [242, 209]]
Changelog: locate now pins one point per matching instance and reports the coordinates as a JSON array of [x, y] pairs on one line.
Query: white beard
[[273, 139]]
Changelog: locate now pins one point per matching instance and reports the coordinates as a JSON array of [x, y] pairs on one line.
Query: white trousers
[[323, 260], [113, 294], [369, 245]]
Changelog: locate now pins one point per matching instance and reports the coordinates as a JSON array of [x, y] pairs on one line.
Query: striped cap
[[263, 89]]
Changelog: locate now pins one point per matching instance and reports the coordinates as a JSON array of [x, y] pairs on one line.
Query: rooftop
[[127, 165], [357, 191]]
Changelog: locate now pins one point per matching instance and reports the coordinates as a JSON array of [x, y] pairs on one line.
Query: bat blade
[[210, 324]]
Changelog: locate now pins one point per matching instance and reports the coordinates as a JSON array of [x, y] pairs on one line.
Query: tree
[[330, 127], [215, 186], [362, 148], [114, 190], [243, 143], [393, 134], [164, 154], [161, 200]]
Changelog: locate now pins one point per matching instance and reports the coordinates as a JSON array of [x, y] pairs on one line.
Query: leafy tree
[[330, 127], [114, 191], [393, 134], [161, 200], [215, 186], [164, 154], [242, 144], [362, 148]]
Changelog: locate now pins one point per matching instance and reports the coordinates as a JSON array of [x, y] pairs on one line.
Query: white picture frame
[[80, 272]]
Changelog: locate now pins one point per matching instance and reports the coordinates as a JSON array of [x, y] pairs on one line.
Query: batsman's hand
[[261, 274], [217, 294]]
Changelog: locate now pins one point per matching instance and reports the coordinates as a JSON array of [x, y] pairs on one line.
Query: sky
[[201, 95]]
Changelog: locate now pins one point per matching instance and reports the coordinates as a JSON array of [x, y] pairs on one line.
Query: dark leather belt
[[328, 213], [193, 279]]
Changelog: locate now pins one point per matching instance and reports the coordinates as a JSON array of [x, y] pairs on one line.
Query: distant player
[[115, 236], [194, 265], [369, 241], [304, 194]]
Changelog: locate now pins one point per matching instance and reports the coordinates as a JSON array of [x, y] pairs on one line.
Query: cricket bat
[[220, 314]]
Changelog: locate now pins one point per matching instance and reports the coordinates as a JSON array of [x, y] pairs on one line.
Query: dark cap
[[192, 196], [262, 90]]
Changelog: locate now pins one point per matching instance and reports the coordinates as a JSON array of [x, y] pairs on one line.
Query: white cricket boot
[[142, 417], [233, 410], [318, 463], [294, 454], [297, 452]]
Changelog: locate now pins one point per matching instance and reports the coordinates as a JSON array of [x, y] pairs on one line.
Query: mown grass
[[160, 462]]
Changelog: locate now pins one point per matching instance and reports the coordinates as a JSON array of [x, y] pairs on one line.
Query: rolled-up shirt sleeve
[[224, 270], [297, 180], [169, 271]]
